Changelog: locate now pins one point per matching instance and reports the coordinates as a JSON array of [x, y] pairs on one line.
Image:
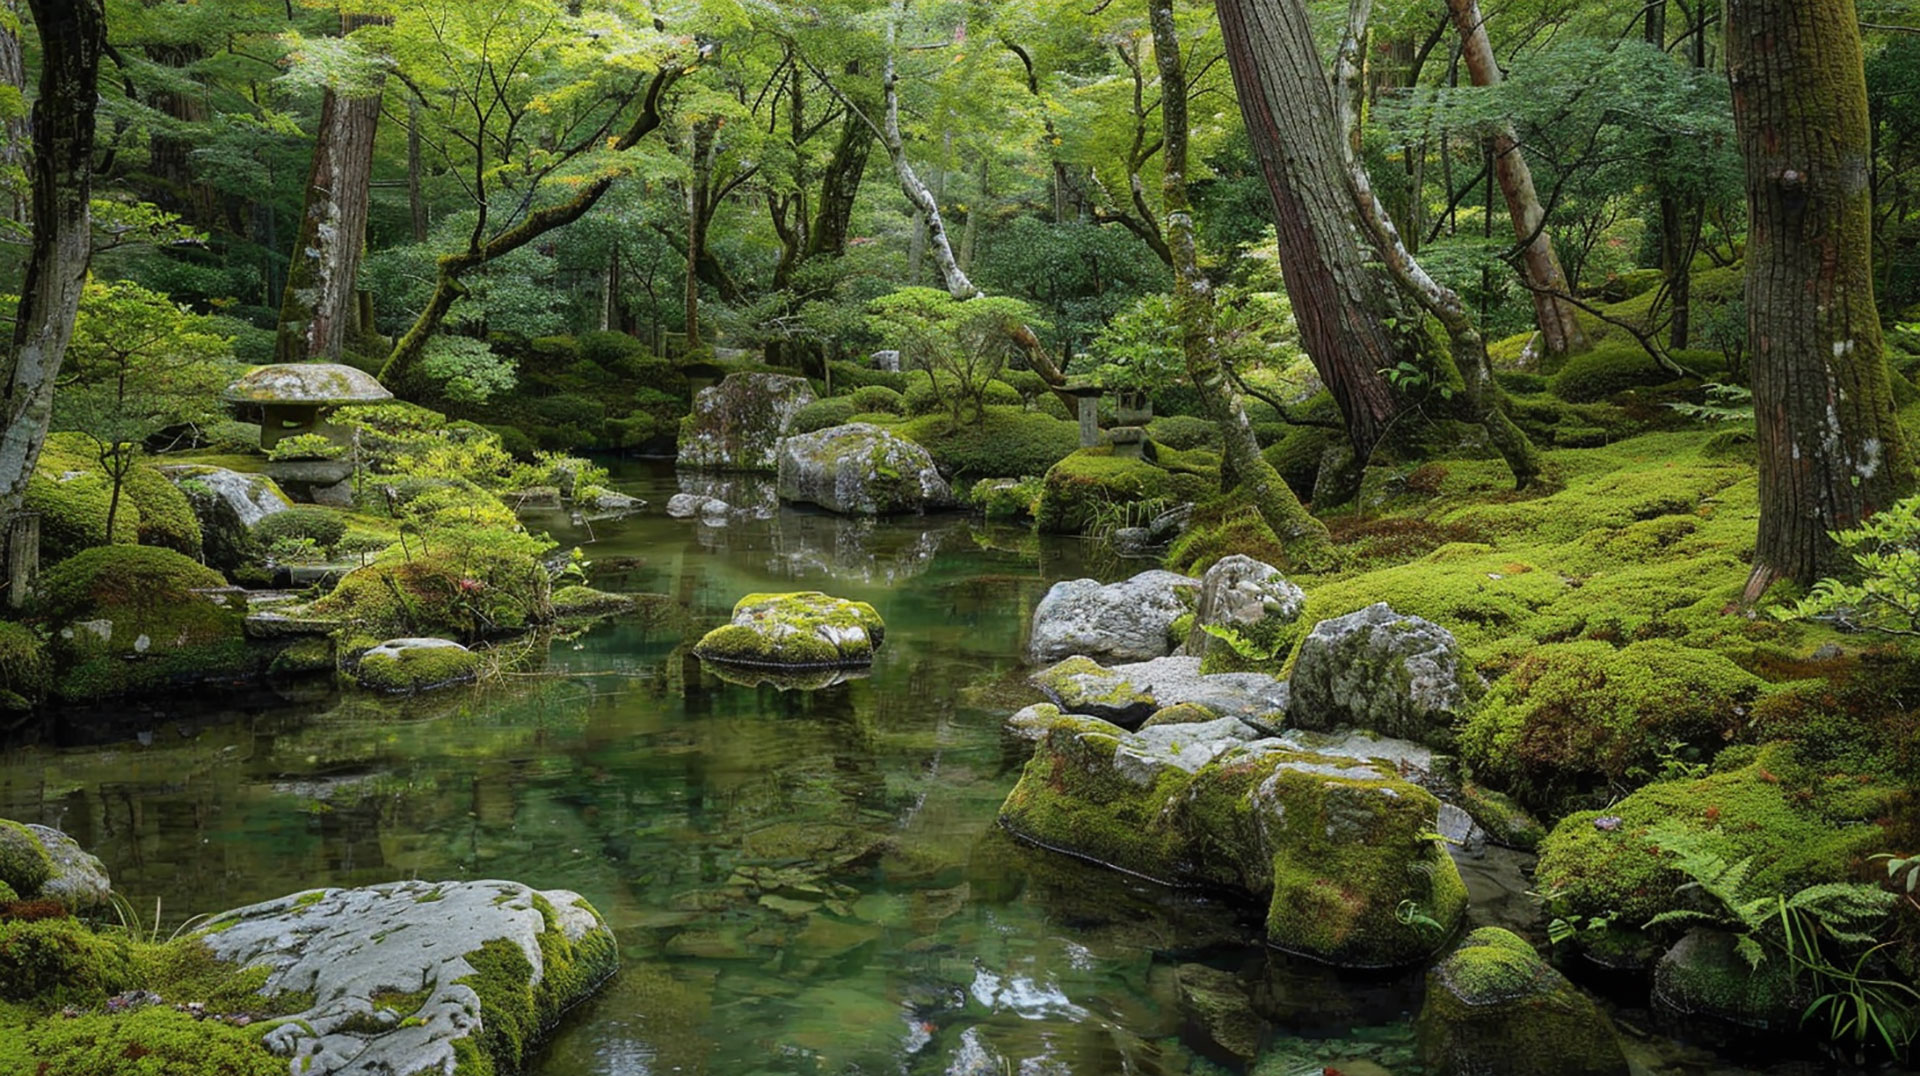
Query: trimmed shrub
[[322, 526], [1007, 442], [878, 398], [821, 414], [1184, 432], [848, 375]]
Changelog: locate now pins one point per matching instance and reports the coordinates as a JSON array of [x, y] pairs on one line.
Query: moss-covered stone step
[[1343, 850], [804, 630]]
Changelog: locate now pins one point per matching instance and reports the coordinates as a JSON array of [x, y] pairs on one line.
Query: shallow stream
[[801, 882]]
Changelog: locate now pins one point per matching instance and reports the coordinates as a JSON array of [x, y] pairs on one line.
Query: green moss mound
[[1585, 716], [805, 629], [152, 1041], [1004, 442], [514, 1010], [127, 620], [823, 414], [1184, 432], [166, 516], [25, 672], [56, 962], [1495, 1008], [1088, 484], [578, 601], [109, 577], [872, 399], [1613, 367], [1801, 824]]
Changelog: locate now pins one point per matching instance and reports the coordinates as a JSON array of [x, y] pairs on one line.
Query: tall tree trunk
[[1305, 538], [700, 139], [170, 156], [73, 35], [318, 309], [1342, 307], [1560, 333], [839, 184], [1831, 453], [416, 204]]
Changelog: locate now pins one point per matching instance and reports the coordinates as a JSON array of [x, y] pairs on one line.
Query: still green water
[[801, 882]]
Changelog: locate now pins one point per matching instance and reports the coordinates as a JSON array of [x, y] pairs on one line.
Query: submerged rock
[[1378, 670], [737, 425], [1249, 601], [861, 470], [1704, 976], [807, 629], [1125, 621], [1495, 1008], [1129, 694], [1220, 1003], [415, 977], [1340, 848], [689, 505]]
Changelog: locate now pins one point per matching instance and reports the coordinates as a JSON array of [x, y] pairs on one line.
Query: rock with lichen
[[448, 977], [1130, 693], [42, 863], [1246, 612], [1341, 850], [409, 666], [1377, 670], [1131, 620], [807, 629], [738, 424], [1495, 1008], [860, 469]]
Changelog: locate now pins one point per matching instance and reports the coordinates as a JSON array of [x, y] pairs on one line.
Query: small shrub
[[878, 398], [320, 526], [306, 446], [1006, 442], [1184, 432], [822, 414]]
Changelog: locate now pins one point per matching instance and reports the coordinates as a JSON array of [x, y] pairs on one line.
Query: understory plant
[[1885, 597], [1825, 933]]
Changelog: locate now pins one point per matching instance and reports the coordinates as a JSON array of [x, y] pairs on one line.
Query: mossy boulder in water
[[1129, 694], [138, 618], [737, 425], [806, 629], [1704, 977], [447, 977], [409, 666], [42, 863], [1339, 848], [1131, 620], [1495, 1008], [860, 469], [1377, 670], [1079, 489]]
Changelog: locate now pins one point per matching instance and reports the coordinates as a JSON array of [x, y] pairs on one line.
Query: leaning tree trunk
[[1560, 333], [1342, 307], [73, 35], [318, 308], [1831, 453], [1305, 538], [14, 134]]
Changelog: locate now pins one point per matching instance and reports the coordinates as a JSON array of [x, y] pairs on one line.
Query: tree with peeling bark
[[1553, 310], [318, 307], [1831, 452], [1303, 537], [73, 38]]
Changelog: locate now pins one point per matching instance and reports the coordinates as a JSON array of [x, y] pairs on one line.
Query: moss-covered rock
[[1800, 824], [25, 672], [1583, 716], [1495, 1008], [1338, 848], [409, 666], [1246, 615], [1084, 487], [1704, 977], [737, 425], [24, 864], [577, 602], [806, 629], [1131, 620], [860, 469], [1008, 499], [487, 969], [1378, 670], [128, 619]]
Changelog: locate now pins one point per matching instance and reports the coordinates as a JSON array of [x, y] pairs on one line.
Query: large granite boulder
[[1494, 1008], [860, 469], [1375, 669], [418, 977], [228, 504], [1340, 849], [1129, 694], [805, 630], [1247, 612], [737, 425], [1126, 621], [42, 863]]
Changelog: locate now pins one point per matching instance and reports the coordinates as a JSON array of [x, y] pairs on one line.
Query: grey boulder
[[1249, 600], [737, 425], [1375, 669], [860, 469], [1125, 621]]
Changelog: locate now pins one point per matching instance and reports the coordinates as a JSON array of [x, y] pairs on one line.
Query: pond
[[801, 882]]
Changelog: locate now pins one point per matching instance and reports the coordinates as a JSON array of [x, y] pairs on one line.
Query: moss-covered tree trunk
[[1831, 453], [700, 150], [14, 133], [1342, 307], [73, 35], [318, 307], [1560, 333], [1305, 538]]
